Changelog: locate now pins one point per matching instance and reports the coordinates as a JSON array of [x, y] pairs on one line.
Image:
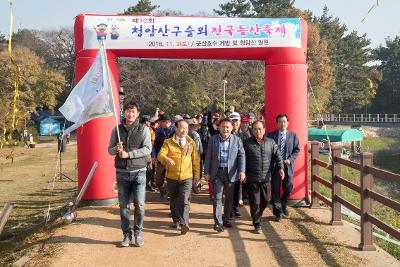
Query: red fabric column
[[286, 92], [93, 139]]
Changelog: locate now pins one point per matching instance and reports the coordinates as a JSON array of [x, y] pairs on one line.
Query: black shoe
[[237, 214], [184, 229], [150, 188], [218, 228], [163, 198], [175, 225], [278, 218], [285, 212], [227, 224]]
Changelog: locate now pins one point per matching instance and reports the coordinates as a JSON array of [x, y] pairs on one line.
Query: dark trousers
[[160, 178], [222, 184], [237, 195], [150, 173], [259, 196], [179, 196], [279, 202]]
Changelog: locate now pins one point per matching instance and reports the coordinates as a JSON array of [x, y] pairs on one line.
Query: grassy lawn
[[386, 152], [27, 184]]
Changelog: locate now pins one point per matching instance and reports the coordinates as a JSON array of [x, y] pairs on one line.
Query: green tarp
[[348, 135]]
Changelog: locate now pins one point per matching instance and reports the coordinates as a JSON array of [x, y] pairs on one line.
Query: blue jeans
[[133, 183], [221, 181]]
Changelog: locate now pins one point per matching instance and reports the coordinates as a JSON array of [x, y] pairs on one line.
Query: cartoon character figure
[[114, 32], [101, 31]]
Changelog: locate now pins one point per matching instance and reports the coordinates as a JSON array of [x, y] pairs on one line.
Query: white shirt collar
[[183, 140]]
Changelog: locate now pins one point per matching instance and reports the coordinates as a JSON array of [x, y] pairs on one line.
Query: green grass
[[386, 152]]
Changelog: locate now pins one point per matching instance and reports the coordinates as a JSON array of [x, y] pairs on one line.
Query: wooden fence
[[367, 195], [388, 118]]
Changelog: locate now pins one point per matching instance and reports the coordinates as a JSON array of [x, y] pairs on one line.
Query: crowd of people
[[173, 155]]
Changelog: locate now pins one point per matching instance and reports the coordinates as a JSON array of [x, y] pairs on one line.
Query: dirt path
[[301, 240]]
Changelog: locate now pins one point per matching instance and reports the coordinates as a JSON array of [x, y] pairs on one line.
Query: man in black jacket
[[261, 155]]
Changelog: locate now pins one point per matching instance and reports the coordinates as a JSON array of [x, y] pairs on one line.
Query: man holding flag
[[92, 98], [130, 162]]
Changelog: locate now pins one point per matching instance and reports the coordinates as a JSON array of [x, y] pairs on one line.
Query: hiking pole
[[71, 214], [4, 215]]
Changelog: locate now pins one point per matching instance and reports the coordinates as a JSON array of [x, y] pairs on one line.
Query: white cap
[[234, 116]]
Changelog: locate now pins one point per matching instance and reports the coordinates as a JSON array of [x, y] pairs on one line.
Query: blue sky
[[51, 14]]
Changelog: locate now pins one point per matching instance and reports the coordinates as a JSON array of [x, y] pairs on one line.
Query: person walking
[[179, 155], [165, 131], [130, 164], [237, 194], [289, 147], [224, 165], [262, 154], [193, 128]]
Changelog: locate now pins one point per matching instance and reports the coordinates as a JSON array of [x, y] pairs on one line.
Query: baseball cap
[[164, 117], [234, 116], [146, 117], [244, 118], [177, 118]]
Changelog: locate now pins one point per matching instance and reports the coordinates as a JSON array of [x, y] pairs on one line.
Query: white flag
[[91, 97]]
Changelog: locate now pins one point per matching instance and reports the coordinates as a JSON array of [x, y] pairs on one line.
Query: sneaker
[[258, 229], [218, 228], [184, 229], [285, 212], [138, 239], [126, 241], [278, 218]]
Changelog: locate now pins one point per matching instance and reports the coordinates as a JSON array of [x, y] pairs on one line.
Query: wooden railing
[[367, 195], [388, 118]]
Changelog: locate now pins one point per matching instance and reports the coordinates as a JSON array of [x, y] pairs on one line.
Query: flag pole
[[110, 86]]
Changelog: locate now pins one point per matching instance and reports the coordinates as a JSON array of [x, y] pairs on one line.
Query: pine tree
[[235, 8], [143, 7], [272, 8], [388, 93], [349, 55]]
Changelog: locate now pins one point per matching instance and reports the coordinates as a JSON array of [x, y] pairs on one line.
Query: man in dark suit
[[289, 147], [225, 164]]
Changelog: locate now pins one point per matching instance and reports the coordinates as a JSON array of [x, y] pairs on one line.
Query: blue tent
[[49, 126]]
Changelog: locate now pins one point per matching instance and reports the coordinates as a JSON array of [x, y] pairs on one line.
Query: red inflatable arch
[[281, 43]]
